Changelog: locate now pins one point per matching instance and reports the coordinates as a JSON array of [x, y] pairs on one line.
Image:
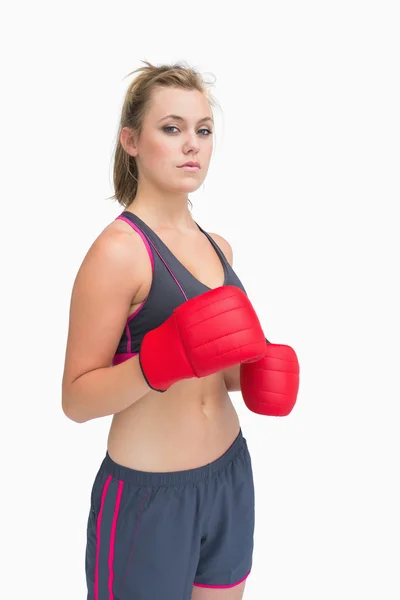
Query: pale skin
[[194, 414]]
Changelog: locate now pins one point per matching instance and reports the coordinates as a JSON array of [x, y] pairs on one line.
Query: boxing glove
[[208, 333], [270, 385]]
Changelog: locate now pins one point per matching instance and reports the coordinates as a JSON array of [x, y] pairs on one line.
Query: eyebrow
[[177, 117]]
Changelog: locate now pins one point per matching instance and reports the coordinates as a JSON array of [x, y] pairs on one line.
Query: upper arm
[[105, 286], [232, 374]]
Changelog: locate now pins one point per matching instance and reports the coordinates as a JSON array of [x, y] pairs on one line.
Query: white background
[[304, 184]]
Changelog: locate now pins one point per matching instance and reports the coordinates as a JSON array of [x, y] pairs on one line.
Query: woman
[[172, 505]]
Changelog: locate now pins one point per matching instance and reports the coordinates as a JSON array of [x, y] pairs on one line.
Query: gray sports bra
[[172, 284]]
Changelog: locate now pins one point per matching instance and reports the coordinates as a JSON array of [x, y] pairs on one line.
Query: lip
[[191, 164]]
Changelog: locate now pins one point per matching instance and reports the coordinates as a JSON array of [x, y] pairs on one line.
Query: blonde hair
[[135, 107]]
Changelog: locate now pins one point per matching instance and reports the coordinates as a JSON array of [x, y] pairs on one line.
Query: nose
[[191, 144]]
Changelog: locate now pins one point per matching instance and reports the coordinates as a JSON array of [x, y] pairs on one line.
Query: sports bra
[[172, 284]]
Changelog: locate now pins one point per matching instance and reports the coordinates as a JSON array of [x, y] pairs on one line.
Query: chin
[[189, 186], [194, 187]]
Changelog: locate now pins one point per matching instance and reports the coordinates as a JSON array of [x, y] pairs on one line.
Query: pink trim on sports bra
[[135, 227]]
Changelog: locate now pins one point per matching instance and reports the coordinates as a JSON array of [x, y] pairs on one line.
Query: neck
[[162, 208]]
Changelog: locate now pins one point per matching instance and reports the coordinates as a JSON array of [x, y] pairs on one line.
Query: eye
[[173, 127]]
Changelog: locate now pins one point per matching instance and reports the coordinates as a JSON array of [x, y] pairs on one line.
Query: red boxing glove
[[206, 334], [269, 386]]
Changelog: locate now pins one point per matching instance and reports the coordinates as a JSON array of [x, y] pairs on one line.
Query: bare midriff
[[191, 424]]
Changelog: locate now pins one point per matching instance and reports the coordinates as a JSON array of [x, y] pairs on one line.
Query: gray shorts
[[155, 535]]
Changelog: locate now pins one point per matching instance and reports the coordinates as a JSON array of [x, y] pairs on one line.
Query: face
[[168, 142]]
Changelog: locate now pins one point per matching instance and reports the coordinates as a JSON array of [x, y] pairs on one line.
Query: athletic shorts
[[152, 536]]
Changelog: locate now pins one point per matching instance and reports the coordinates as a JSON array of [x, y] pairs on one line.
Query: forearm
[[232, 378], [104, 391]]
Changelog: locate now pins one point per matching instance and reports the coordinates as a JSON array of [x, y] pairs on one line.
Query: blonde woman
[[159, 327]]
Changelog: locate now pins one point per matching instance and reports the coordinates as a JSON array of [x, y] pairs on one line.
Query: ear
[[128, 141]]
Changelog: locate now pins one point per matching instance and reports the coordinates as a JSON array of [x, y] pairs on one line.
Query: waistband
[[155, 479]]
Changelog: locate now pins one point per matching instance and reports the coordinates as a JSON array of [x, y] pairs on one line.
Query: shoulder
[[125, 238], [117, 242], [224, 245], [116, 258]]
